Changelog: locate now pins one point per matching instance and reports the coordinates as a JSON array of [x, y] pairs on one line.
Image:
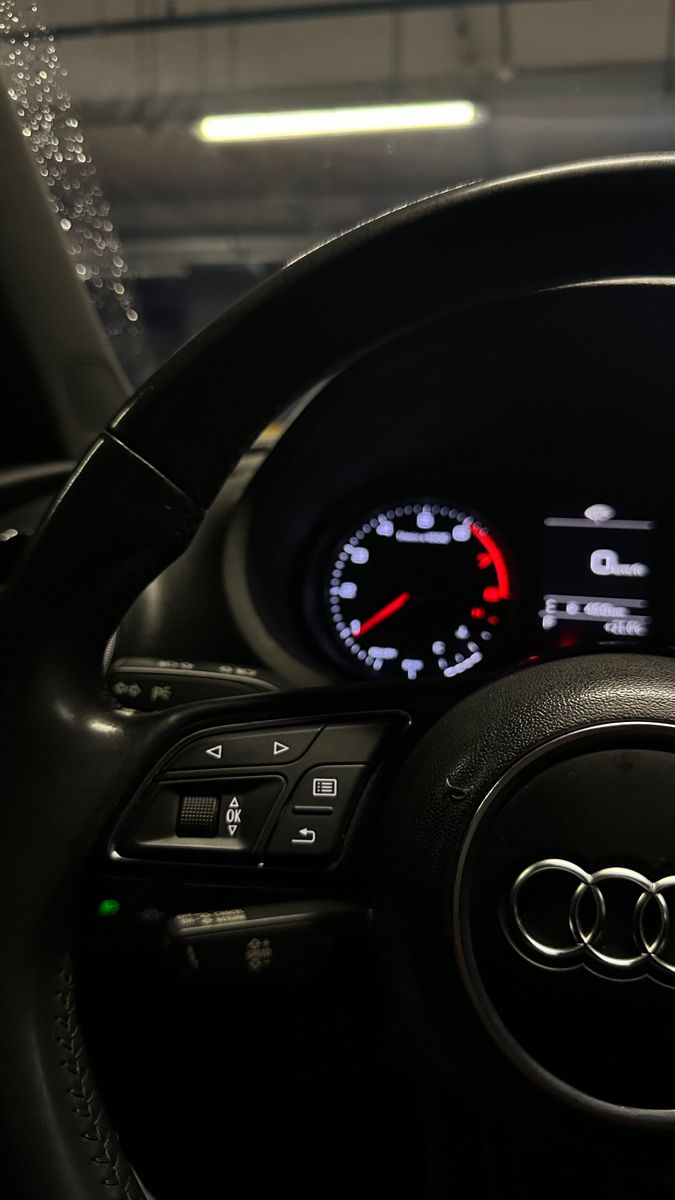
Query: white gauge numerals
[[418, 590]]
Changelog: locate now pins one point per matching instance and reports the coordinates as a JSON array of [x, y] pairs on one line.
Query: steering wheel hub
[[565, 891], [542, 846]]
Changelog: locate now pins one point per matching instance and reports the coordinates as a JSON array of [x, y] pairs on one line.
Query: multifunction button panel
[[267, 793]]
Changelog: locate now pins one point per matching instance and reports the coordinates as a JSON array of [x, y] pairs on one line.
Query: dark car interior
[[337, 707]]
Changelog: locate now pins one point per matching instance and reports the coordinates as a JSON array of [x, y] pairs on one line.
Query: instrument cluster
[[477, 494], [426, 588]]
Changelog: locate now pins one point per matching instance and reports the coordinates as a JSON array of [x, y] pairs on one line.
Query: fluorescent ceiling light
[[332, 122]]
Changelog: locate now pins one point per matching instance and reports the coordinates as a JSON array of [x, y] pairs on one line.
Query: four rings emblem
[[621, 936]]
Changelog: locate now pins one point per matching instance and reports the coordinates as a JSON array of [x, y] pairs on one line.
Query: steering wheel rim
[[68, 753]]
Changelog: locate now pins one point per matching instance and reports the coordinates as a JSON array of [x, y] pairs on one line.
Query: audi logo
[[620, 935]]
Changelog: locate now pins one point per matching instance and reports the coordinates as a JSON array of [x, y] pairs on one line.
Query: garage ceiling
[[559, 79]]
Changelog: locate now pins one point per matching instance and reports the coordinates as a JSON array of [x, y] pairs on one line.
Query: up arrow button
[[280, 748]]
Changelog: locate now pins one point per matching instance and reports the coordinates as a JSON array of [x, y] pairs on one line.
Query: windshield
[[215, 142]]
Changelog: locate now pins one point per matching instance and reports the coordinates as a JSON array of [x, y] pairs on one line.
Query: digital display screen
[[599, 577]]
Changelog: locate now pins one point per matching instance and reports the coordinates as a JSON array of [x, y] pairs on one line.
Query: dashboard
[[483, 492]]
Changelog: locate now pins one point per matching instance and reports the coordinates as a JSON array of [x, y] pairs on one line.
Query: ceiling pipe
[[237, 17]]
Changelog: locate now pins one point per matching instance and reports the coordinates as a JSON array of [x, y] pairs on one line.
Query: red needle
[[382, 614]]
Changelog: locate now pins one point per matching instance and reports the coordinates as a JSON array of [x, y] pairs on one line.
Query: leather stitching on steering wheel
[[86, 1107]]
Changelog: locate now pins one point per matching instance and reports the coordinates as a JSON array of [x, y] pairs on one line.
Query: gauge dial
[[419, 590]]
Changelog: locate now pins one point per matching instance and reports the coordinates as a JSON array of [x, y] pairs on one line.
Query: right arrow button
[[254, 748]]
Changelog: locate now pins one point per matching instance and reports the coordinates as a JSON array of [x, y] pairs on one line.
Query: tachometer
[[420, 589]]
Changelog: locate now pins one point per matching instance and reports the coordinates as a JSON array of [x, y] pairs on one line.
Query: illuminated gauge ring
[[420, 590]]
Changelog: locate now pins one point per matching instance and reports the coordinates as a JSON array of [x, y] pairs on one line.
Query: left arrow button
[[251, 748]]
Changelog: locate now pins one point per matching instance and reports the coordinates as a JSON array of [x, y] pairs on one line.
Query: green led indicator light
[[108, 908]]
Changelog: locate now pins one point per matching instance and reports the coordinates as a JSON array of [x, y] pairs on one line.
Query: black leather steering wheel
[[71, 757]]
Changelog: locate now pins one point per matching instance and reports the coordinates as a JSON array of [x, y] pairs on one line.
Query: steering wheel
[[511, 808]]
